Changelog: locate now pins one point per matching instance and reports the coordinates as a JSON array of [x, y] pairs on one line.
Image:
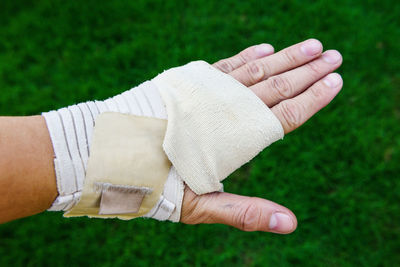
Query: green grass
[[339, 173]]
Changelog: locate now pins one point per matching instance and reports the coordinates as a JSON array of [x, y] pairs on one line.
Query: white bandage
[[215, 125]]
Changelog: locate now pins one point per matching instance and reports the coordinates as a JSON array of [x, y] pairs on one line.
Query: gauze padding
[[215, 124]]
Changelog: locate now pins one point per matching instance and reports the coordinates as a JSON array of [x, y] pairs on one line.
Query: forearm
[[27, 179]]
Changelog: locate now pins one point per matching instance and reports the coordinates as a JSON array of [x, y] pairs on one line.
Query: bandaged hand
[[293, 84]]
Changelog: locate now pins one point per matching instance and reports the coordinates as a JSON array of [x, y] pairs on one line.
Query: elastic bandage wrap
[[215, 125], [71, 131]]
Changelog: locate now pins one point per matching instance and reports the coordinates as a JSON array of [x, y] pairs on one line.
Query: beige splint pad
[[127, 168]]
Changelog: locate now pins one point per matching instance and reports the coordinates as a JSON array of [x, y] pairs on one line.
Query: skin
[[294, 83]]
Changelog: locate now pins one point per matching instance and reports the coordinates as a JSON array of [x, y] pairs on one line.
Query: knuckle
[[313, 69], [255, 71], [317, 92], [282, 87], [292, 113], [289, 57], [245, 56], [249, 218], [224, 65]]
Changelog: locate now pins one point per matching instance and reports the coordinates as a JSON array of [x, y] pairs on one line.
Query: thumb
[[244, 213]]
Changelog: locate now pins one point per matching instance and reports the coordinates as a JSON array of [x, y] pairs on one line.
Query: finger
[[284, 60], [244, 213], [249, 54], [293, 82], [295, 111]]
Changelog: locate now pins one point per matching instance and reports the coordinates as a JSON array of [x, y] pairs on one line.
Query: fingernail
[[264, 50], [311, 47], [331, 56], [280, 222], [332, 80]]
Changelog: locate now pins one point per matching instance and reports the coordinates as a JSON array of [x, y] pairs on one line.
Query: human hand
[[294, 83]]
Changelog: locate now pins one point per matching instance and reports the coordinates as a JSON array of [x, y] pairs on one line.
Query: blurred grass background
[[339, 173]]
